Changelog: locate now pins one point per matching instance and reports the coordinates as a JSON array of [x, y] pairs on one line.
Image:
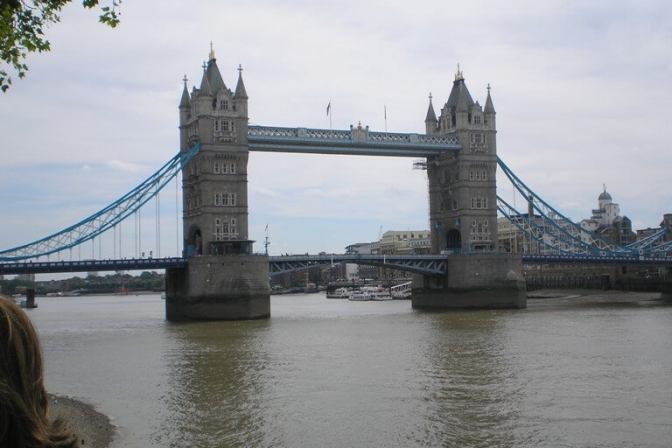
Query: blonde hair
[[24, 404]]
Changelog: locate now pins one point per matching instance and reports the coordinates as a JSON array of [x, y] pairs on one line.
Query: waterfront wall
[[224, 287], [661, 283], [482, 280]]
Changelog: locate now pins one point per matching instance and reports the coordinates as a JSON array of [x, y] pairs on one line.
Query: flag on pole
[[328, 108], [385, 110]]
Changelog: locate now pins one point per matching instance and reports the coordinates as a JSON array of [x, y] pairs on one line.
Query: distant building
[[405, 242], [354, 271], [607, 222], [666, 222]]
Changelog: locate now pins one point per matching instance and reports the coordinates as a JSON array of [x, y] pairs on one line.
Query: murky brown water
[[334, 373]]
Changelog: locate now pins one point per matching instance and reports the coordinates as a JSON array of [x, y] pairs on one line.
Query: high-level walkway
[[357, 141]]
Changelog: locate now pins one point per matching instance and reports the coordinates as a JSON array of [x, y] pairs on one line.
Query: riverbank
[[93, 429], [588, 296]]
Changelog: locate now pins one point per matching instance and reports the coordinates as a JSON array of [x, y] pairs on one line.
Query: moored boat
[[370, 293], [339, 293]]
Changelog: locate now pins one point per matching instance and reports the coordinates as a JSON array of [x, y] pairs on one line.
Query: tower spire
[[430, 119], [205, 84], [489, 107], [212, 53], [185, 102], [458, 75], [240, 87]]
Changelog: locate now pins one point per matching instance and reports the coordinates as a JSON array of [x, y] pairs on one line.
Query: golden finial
[[212, 52], [458, 75]]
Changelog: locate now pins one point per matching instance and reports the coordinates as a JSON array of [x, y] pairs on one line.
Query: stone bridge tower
[[462, 187], [214, 182], [463, 212], [223, 279]]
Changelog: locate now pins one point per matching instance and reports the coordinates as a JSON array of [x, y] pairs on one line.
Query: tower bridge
[[220, 277]]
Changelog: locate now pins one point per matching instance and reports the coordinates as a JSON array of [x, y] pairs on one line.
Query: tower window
[[223, 125], [479, 203], [223, 104]]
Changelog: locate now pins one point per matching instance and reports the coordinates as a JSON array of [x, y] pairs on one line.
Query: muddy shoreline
[[93, 429]]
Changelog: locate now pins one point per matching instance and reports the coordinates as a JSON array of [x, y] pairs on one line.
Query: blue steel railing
[[356, 141]]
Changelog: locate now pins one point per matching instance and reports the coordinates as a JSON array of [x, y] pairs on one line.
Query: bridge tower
[[224, 280], [462, 188], [463, 211]]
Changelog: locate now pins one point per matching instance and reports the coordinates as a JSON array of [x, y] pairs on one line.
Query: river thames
[[334, 373]]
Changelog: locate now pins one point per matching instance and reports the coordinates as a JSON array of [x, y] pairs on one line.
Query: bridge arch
[[453, 240], [194, 243]]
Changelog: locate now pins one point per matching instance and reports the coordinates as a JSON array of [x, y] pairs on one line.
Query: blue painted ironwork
[[131, 264], [421, 264], [580, 259], [105, 219], [356, 141], [650, 240], [559, 235]]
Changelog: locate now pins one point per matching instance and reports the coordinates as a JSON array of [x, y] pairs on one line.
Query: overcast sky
[[581, 89]]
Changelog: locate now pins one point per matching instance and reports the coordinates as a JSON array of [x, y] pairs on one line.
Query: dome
[[604, 196]]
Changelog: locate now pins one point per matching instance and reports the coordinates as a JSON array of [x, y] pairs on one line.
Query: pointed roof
[[489, 107], [214, 77], [205, 84], [431, 115], [185, 101], [240, 87], [460, 98]]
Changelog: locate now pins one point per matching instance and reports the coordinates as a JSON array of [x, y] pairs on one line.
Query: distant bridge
[[420, 264]]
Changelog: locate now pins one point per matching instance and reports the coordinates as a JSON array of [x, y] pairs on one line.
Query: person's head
[[24, 405]]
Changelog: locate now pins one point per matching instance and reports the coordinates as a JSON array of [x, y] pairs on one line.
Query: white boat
[[370, 293], [339, 293]]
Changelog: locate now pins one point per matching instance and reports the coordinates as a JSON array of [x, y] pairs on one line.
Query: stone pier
[[483, 280], [219, 287]]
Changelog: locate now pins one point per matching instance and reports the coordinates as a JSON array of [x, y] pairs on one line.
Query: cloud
[[121, 165]]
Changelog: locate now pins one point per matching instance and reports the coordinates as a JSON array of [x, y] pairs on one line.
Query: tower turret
[[240, 97], [489, 112], [431, 123], [185, 113]]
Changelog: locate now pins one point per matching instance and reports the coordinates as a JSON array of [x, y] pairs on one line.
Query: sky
[[581, 89]]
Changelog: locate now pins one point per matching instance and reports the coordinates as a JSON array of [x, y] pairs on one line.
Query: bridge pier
[[479, 280], [219, 287]]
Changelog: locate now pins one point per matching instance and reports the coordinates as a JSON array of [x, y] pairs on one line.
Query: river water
[[334, 373]]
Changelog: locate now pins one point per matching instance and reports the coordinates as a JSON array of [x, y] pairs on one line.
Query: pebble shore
[[93, 429]]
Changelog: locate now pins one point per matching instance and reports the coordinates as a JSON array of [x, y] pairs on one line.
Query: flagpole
[[330, 115], [385, 111]]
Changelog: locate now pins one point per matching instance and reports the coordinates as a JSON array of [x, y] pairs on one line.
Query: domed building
[[607, 222]]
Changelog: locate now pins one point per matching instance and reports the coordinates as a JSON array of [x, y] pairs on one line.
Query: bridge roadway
[[421, 264], [424, 264]]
